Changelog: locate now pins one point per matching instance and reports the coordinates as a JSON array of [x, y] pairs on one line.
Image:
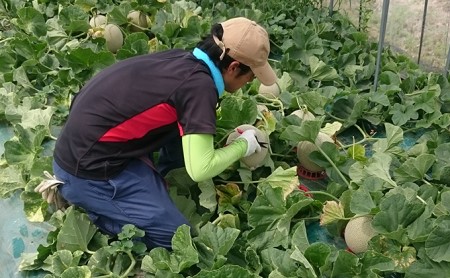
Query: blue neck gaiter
[[216, 74]]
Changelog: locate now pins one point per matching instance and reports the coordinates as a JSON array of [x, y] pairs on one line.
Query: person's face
[[233, 81]]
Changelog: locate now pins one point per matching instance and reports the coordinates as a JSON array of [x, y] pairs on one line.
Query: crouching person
[[161, 102]]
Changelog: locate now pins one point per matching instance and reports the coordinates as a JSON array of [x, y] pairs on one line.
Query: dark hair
[[209, 46]]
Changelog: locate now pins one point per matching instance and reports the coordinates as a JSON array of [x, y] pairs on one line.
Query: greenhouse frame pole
[[425, 8], [360, 14], [331, 7], [384, 16], [447, 64]]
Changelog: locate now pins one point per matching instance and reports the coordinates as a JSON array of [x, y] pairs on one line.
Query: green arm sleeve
[[203, 161]]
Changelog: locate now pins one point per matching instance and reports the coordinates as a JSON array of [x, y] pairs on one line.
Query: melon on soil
[[358, 233], [262, 108], [257, 159], [113, 37], [97, 21], [304, 114], [271, 91], [138, 20], [305, 148]]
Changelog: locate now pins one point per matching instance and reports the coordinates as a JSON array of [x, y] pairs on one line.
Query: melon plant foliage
[[389, 160]]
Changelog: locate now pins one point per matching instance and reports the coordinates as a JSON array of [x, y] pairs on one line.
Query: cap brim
[[265, 74]]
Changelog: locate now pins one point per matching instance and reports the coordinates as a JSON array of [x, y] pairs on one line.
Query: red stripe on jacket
[[139, 125]]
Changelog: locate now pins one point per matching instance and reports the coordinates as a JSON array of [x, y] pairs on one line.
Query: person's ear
[[233, 67]]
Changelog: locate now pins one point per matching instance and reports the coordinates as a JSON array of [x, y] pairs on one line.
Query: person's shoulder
[[172, 53]]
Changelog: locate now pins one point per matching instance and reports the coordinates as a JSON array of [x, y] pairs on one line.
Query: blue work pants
[[138, 196]]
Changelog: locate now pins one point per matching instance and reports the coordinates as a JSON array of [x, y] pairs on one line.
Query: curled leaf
[[331, 128], [332, 211], [229, 193]]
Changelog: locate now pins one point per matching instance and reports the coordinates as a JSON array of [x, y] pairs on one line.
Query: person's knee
[[162, 235]]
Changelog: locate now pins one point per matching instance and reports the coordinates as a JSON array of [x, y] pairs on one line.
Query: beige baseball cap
[[248, 43]]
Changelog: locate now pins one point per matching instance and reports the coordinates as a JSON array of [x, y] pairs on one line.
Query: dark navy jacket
[[131, 108]]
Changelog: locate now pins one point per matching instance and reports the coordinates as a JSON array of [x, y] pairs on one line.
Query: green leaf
[[187, 207], [332, 211], [182, 257], [226, 271], [34, 206], [279, 260], [268, 206], [270, 216], [99, 261], [129, 231], [37, 117], [357, 152], [213, 244], [306, 132], [300, 237], [56, 36], [29, 47], [134, 44], [32, 21], [74, 19], [253, 259], [389, 78], [445, 200], [285, 82], [441, 170], [321, 71], [437, 245], [396, 213], [362, 202], [351, 108], [20, 76], [381, 98], [16, 113], [11, 179], [318, 254], [180, 179], [64, 259], [24, 148], [77, 271], [403, 257], [414, 169], [235, 111], [300, 257], [426, 100], [401, 113], [229, 193], [373, 263], [7, 61], [82, 58], [316, 100], [425, 267], [76, 232], [286, 179], [378, 166], [394, 137], [346, 265], [307, 43], [207, 197]]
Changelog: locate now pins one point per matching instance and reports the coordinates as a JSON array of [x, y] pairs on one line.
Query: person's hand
[[49, 190], [252, 143]]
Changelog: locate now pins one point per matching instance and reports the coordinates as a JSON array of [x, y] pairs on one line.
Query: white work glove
[[252, 143], [49, 190]]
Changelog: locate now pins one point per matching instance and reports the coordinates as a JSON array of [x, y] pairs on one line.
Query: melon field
[[340, 149]]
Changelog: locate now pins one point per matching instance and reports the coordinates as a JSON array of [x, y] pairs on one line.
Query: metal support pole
[[384, 16], [447, 64], [360, 14], [425, 8], [331, 7]]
